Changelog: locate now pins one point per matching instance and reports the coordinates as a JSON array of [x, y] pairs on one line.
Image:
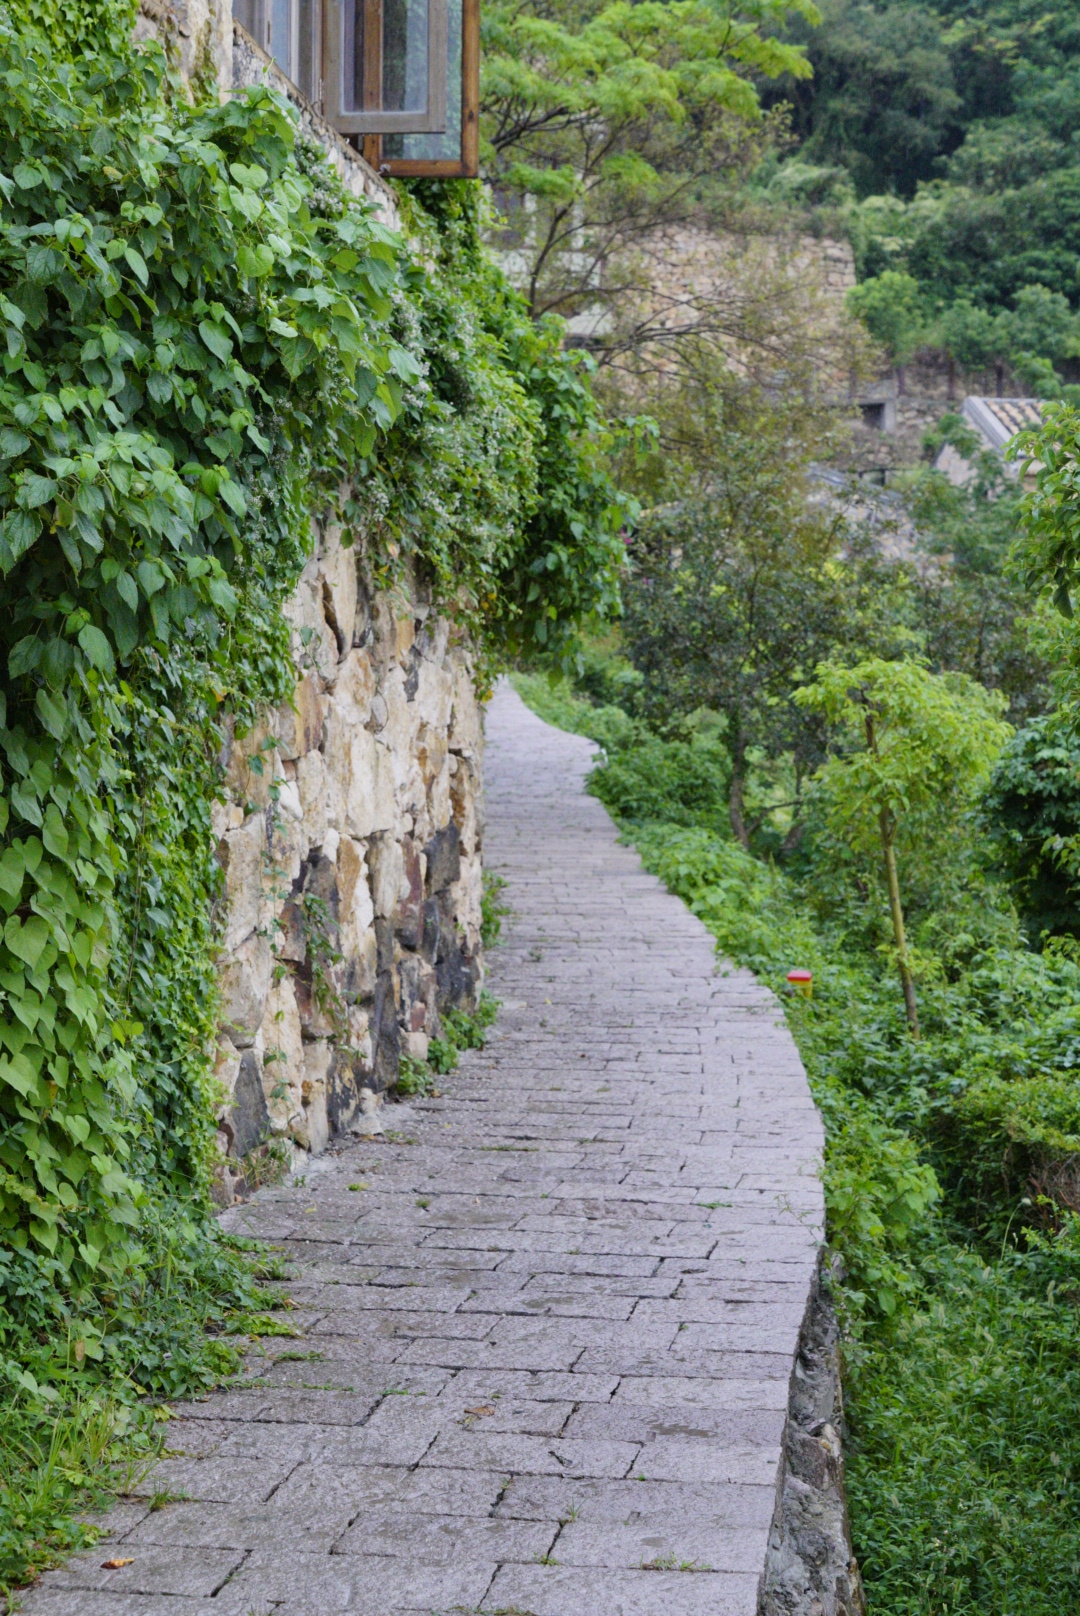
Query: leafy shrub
[[964, 1465], [459, 1029], [1031, 812], [685, 783], [556, 701]]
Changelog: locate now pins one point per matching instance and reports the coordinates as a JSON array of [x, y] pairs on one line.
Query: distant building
[[995, 420]]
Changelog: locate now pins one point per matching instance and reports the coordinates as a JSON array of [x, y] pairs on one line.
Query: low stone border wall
[[811, 1568]]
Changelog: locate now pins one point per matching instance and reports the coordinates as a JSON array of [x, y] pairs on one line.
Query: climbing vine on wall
[[206, 341]]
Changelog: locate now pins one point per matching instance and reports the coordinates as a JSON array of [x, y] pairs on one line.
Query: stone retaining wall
[[810, 1566], [348, 830], [350, 842]]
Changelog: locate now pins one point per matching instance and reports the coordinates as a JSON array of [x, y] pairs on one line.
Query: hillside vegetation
[[945, 140]]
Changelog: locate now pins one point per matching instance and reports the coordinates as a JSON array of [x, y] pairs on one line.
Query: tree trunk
[[952, 379], [793, 837], [899, 932], [887, 828], [735, 805]]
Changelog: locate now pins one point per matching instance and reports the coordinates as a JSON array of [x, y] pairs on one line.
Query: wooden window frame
[[326, 61], [467, 166], [375, 122]]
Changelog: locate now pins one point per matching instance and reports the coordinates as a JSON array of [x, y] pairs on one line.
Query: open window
[[399, 77], [291, 32]]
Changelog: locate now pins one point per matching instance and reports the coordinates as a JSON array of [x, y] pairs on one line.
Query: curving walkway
[[552, 1335]]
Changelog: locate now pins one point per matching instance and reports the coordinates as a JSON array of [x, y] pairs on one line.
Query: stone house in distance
[[349, 826]]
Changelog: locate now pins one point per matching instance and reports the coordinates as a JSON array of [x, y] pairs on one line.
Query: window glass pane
[[404, 78], [405, 55], [280, 46], [306, 72], [244, 12], [445, 147], [288, 31], [352, 55]]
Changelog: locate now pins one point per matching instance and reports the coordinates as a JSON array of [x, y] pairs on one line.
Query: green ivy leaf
[[12, 869], [138, 263], [217, 339], [53, 832], [254, 261], [52, 710], [233, 495], [37, 490], [150, 576], [96, 648], [26, 940]]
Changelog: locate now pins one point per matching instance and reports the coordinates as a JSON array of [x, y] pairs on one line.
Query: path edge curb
[[810, 1565]]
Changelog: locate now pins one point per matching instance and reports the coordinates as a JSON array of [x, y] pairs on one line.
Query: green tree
[[987, 246], [737, 592], [1031, 811], [969, 336], [601, 126], [890, 306], [975, 614], [1049, 550], [1039, 332], [915, 746], [882, 100], [999, 154]]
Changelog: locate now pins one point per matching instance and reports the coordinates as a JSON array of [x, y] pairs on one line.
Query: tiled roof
[[999, 418]]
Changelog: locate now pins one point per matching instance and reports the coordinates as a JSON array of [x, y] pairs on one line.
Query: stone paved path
[[547, 1342]]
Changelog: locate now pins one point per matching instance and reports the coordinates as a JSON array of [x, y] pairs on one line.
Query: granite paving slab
[[545, 1349]]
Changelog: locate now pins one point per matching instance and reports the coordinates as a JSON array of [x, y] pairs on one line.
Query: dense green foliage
[[944, 136], [1032, 810], [977, 613], [208, 343], [737, 593], [603, 122]]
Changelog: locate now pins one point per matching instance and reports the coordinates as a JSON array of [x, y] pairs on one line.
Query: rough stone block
[[242, 854], [245, 982], [442, 857], [354, 689], [386, 858], [314, 1132], [314, 642], [363, 770], [298, 725], [249, 1118], [321, 798], [251, 767], [280, 1040], [337, 569]]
